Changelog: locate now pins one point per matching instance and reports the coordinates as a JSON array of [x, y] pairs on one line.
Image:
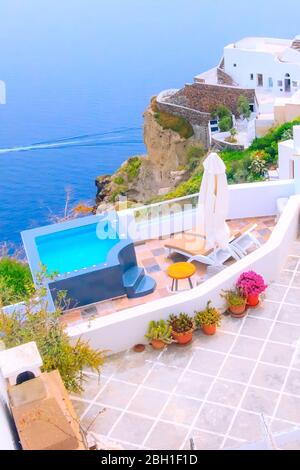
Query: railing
[[180, 214], [161, 209]]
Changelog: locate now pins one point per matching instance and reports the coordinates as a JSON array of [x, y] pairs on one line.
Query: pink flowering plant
[[251, 283]]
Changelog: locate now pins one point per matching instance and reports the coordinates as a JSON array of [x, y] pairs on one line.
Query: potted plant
[[182, 328], [252, 285], [208, 319], [236, 302], [159, 334]]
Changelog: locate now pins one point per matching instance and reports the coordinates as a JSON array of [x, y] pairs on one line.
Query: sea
[[79, 75]]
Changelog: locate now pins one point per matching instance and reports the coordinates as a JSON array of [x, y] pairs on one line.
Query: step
[[132, 278], [146, 286]]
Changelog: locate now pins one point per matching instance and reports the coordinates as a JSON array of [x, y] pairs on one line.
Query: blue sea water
[[79, 74]]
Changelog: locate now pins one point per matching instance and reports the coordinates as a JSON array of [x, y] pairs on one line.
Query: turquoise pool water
[[76, 248]]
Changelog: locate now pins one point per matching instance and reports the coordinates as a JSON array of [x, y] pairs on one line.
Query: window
[[251, 76], [270, 82], [295, 84], [260, 79], [280, 83], [235, 65], [252, 107]]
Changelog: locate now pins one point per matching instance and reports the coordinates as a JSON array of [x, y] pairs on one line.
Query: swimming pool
[[92, 260], [76, 248]]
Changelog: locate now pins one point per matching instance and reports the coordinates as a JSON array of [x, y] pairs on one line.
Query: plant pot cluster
[[245, 294], [180, 328]]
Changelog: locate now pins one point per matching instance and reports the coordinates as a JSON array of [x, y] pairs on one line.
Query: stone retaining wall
[[204, 97], [198, 120]]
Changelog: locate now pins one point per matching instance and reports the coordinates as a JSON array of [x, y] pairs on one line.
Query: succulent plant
[[181, 323], [209, 316], [234, 297], [159, 330]]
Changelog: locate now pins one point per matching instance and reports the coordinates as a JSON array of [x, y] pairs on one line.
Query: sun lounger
[[192, 245], [245, 241]]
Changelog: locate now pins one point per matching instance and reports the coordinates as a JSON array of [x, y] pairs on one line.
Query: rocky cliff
[[155, 174]]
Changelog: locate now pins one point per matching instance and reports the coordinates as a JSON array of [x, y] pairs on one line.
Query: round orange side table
[[178, 271]]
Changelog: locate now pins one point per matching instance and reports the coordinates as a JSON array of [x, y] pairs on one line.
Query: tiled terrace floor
[[218, 390], [152, 256]]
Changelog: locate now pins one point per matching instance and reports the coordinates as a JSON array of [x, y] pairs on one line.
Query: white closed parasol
[[213, 202]]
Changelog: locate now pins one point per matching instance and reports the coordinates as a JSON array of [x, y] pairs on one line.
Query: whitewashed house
[[268, 64]]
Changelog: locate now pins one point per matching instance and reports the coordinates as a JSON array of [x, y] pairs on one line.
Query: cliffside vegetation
[[245, 166], [15, 281], [169, 121], [125, 175]]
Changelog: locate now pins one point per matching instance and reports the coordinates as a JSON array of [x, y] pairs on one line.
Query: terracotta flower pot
[[209, 329], [238, 311], [183, 338], [253, 300], [158, 344]]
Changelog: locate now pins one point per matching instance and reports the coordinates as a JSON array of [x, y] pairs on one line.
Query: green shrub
[[174, 123], [220, 112], [243, 107], [225, 124], [15, 281], [195, 155], [119, 180], [132, 168]]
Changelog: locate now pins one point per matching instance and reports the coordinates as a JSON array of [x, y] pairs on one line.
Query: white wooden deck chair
[[246, 240], [193, 247]]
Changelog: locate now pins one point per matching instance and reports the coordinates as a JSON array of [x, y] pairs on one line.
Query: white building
[[267, 64]]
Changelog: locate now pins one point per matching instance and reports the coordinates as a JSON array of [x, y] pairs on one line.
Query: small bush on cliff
[[194, 156], [132, 168], [15, 281], [119, 180]]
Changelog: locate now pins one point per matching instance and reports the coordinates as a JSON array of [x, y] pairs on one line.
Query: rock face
[[158, 172]]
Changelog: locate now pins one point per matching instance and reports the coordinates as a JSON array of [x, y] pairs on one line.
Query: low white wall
[[122, 330], [258, 199], [285, 159], [245, 200]]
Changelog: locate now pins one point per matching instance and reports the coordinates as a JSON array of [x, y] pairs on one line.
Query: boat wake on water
[[120, 137]]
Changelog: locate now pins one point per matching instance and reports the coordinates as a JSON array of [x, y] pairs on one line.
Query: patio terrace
[[218, 390], [151, 255]]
